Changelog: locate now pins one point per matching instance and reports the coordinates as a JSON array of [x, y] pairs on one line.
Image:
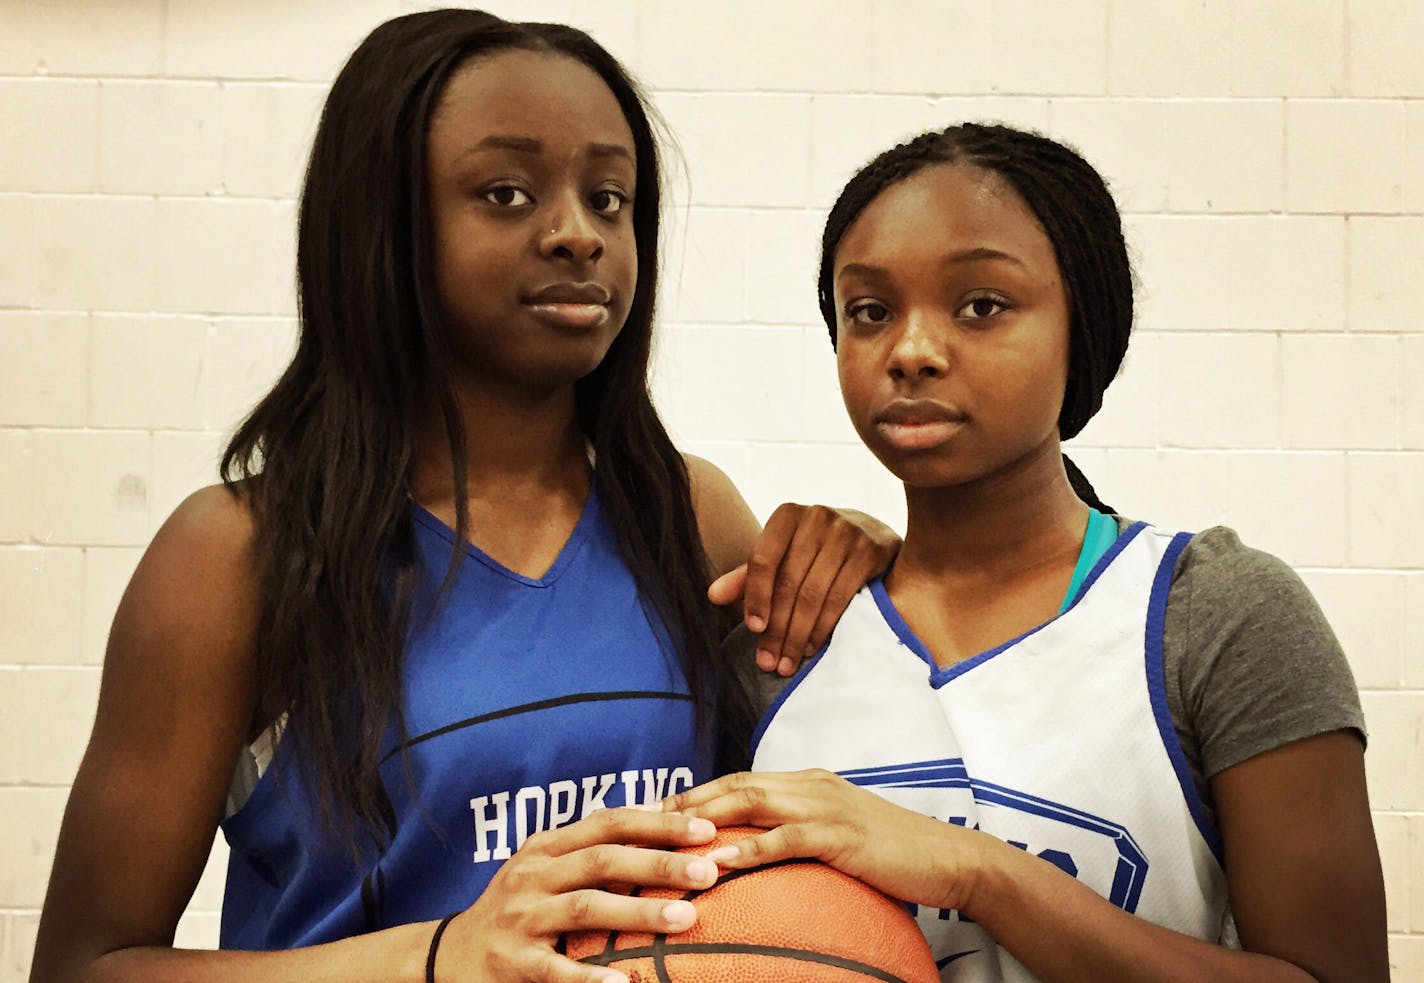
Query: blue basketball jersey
[[530, 703]]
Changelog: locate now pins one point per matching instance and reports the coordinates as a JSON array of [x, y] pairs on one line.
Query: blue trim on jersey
[[942, 676], [897, 624], [1128, 535], [951, 773], [1157, 691], [587, 520], [796, 681]]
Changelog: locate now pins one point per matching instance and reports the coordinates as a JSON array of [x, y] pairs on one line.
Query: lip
[[909, 412], [569, 292], [574, 306], [918, 424]]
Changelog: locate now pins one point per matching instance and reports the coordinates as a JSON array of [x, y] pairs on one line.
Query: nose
[[571, 232], [919, 351]]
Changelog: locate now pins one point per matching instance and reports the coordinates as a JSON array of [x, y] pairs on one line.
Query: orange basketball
[[798, 920]]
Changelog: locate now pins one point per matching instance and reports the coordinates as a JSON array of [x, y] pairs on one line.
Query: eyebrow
[[528, 145], [977, 255]]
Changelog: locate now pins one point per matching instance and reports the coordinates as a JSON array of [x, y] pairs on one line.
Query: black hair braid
[[1079, 217]]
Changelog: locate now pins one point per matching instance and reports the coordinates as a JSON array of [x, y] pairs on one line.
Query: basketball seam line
[[737, 948]]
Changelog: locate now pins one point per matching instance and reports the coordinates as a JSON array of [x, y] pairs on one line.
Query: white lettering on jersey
[[593, 800], [538, 808], [487, 825]]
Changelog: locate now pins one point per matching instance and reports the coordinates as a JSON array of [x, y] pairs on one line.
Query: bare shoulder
[[213, 516], [189, 615], [198, 566], [724, 519], [706, 478]]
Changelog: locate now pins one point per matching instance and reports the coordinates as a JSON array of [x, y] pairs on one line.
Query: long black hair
[[324, 459], [1077, 211]]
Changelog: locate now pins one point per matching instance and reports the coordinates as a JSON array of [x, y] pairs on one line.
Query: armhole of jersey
[[1157, 691], [781, 698]]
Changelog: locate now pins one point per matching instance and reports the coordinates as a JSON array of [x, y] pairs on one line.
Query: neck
[[995, 528], [513, 444]]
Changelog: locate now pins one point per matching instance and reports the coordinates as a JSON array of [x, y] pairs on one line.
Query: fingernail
[[766, 659], [701, 829], [787, 667], [613, 978], [701, 872], [756, 624], [679, 915], [723, 854]]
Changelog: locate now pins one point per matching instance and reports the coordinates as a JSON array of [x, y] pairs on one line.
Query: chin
[[926, 469]]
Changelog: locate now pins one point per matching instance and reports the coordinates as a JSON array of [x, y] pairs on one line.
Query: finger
[[551, 967], [648, 827], [728, 588], [607, 863], [765, 561], [751, 806], [752, 799], [588, 908], [786, 842], [807, 542], [847, 583], [707, 791], [813, 598]]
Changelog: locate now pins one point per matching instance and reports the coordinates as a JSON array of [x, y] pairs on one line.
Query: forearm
[[395, 955], [1064, 932]]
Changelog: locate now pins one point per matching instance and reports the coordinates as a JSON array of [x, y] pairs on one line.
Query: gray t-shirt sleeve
[[1250, 661]]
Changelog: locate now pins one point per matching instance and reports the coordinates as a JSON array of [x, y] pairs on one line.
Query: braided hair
[[1080, 218]]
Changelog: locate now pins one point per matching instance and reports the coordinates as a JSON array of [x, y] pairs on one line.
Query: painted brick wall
[[1268, 154]]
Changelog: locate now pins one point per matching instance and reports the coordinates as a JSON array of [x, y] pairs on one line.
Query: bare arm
[[1302, 868], [176, 705]]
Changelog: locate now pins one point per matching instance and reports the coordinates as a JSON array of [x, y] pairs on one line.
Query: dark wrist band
[[435, 946]]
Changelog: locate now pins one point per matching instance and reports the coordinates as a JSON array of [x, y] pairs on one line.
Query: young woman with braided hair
[[1102, 752], [457, 572]]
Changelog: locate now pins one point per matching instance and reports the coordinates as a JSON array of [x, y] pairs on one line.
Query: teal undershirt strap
[[1097, 540]]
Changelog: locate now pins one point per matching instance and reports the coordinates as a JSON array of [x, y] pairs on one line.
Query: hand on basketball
[[818, 814], [558, 882], [807, 564]]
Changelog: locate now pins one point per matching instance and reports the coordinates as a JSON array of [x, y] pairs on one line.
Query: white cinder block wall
[[1268, 154]]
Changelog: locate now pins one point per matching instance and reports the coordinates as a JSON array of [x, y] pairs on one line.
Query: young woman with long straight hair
[[449, 608]]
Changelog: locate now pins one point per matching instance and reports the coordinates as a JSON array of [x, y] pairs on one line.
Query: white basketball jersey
[[1059, 742]]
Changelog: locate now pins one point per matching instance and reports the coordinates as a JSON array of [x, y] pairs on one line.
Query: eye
[[608, 201], [506, 196], [982, 307], [867, 312]]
